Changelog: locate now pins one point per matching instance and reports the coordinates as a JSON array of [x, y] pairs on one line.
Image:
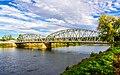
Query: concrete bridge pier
[[19, 45], [46, 45], [67, 44]]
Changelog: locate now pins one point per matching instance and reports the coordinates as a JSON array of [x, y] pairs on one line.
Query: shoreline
[[97, 64]]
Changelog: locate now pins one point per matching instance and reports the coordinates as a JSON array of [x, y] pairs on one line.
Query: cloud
[[28, 1], [45, 17], [117, 4]]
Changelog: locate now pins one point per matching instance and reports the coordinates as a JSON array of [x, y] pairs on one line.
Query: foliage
[[93, 54], [9, 37], [20, 35], [97, 65], [6, 45], [109, 27]]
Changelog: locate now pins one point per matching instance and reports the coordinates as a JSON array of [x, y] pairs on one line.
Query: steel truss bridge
[[68, 35]]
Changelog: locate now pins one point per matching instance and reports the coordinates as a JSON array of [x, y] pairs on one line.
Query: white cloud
[[117, 4], [60, 8], [55, 21], [12, 4], [114, 9], [28, 1], [18, 26], [9, 9], [55, 14]]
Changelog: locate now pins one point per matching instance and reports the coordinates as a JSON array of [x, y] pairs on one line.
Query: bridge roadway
[[82, 42], [49, 44]]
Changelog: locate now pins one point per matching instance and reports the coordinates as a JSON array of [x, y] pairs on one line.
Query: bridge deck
[[83, 42]]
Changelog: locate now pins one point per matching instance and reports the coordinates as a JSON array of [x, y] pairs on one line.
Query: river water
[[40, 62]]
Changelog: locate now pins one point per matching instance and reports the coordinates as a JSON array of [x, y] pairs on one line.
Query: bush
[[97, 64], [93, 54]]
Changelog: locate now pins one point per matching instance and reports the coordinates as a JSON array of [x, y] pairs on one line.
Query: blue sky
[[48, 16]]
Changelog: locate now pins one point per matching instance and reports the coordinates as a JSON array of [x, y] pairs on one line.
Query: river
[[15, 61]]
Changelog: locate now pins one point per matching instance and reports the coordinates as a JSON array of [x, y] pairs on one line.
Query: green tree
[[117, 29], [19, 37], [9, 37], [3, 39], [109, 27]]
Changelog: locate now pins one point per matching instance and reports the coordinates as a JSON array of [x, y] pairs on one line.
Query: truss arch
[[73, 35], [30, 38]]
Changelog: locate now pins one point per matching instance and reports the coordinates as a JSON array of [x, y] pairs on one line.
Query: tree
[[3, 39], [117, 29], [19, 37], [9, 37], [109, 27]]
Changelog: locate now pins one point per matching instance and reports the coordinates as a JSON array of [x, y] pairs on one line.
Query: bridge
[[63, 36]]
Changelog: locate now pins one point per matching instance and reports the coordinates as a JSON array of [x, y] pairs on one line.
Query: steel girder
[[73, 35], [30, 38], [68, 35]]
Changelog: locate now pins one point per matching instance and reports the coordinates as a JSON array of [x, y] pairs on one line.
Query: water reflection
[[41, 62], [82, 49]]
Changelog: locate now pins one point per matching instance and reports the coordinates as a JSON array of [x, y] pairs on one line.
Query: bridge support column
[[67, 44], [46, 45], [20, 45]]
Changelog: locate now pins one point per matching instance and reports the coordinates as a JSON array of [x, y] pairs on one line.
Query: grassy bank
[[6, 45], [97, 64]]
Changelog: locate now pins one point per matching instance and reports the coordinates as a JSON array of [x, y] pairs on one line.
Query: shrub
[[97, 64]]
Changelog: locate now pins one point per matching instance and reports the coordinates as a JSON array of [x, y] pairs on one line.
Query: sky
[[48, 16]]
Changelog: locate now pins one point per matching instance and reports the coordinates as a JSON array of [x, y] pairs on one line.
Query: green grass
[[97, 64]]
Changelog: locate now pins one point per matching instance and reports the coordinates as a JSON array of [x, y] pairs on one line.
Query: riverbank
[[7, 45], [105, 63]]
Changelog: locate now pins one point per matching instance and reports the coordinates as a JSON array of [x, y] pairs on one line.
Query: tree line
[[7, 37]]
